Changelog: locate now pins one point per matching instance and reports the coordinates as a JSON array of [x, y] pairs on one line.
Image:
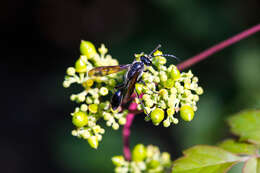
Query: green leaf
[[205, 159], [252, 165], [238, 147], [246, 124]]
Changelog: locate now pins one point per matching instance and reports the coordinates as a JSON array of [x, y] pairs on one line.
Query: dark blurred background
[[40, 39]]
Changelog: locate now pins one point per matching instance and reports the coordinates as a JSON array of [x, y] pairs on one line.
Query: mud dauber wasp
[[132, 76]]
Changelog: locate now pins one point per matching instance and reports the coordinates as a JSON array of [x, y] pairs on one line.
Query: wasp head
[[146, 60]]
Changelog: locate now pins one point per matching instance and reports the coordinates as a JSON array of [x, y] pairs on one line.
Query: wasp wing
[[106, 70], [131, 86]]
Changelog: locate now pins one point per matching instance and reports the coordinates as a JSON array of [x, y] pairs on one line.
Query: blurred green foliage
[[230, 78]]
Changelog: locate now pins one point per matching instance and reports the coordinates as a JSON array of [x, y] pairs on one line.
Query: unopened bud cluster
[[94, 99], [144, 159], [167, 91]]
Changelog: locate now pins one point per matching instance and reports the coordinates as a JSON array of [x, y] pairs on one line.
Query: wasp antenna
[[169, 55], [150, 55]]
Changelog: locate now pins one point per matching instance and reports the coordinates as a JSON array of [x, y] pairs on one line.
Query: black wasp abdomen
[[137, 66], [116, 99]]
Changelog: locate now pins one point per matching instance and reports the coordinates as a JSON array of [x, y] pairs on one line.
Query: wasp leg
[[143, 82], [142, 104]]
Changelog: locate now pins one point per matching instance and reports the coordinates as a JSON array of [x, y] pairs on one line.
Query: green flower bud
[[153, 164], [163, 68], [137, 100], [166, 159], [115, 126], [146, 97], [162, 104], [149, 103], [89, 100], [157, 79], [85, 134], [102, 49], [187, 93], [175, 120], [166, 123], [74, 133], [113, 62], [122, 121], [66, 84], [84, 107], [171, 101], [175, 73], [81, 98], [199, 90], [147, 118], [80, 66], [71, 71], [187, 80], [187, 85], [95, 96], [118, 160], [195, 79], [93, 142], [103, 91], [73, 97], [112, 82], [173, 90], [96, 129], [147, 110], [93, 108], [163, 76], [152, 70], [109, 123], [162, 60], [99, 137], [102, 131], [96, 101], [156, 58], [157, 52], [169, 83], [180, 89], [157, 116], [88, 49], [186, 113], [164, 94], [88, 83], [139, 153], [139, 88], [80, 119], [196, 98], [139, 107], [106, 116], [194, 108], [170, 111], [189, 74]]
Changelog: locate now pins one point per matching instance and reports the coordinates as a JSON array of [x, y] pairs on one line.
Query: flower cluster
[[95, 98], [144, 159], [165, 89]]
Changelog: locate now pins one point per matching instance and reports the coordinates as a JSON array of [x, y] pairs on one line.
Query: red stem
[[126, 135], [216, 48], [191, 61]]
